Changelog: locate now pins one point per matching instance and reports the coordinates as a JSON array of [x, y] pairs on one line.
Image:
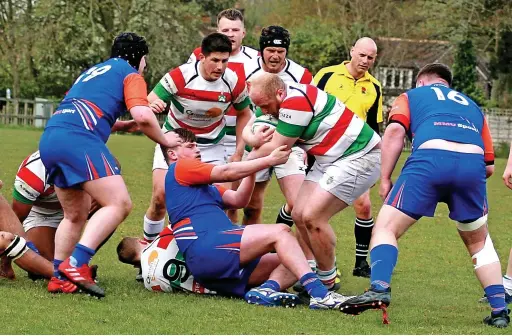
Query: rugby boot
[[81, 277], [363, 270], [332, 300], [499, 320], [371, 299], [56, 285], [270, 298]]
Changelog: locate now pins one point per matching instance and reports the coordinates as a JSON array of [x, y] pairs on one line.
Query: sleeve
[[169, 84], [322, 78], [374, 115], [220, 189], [28, 186], [488, 146], [241, 96], [294, 116], [135, 91], [191, 172], [400, 112], [307, 78]]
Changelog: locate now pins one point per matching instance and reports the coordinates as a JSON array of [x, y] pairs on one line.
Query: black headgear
[[274, 36], [130, 47]]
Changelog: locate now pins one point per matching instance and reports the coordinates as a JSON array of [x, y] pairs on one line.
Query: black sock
[[284, 217], [363, 232]]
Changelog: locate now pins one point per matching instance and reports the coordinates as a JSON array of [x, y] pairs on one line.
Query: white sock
[[507, 283], [152, 228], [328, 278], [312, 264]]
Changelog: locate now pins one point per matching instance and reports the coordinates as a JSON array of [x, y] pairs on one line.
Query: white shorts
[[294, 166], [347, 179], [210, 153], [230, 145], [35, 219]]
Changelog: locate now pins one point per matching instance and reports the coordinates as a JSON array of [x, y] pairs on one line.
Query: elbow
[[489, 170]]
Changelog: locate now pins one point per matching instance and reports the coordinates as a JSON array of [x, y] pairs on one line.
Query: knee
[[310, 221], [363, 208], [255, 206], [297, 216]]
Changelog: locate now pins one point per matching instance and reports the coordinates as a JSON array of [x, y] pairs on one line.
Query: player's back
[[191, 204], [96, 99], [439, 112]]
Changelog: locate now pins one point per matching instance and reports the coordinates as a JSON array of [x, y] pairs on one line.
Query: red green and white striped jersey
[[163, 267], [235, 63], [324, 126], [200, 105], [31, 186], [291, 73]]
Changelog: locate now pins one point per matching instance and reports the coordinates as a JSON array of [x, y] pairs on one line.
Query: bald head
[[363, 55], [266, 91]]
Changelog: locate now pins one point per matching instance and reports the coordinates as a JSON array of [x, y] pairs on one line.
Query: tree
[[464, 72]]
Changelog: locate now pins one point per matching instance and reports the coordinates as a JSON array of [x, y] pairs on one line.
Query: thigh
[[213, 153], [76, 203], [302, 200], [294, 166], [290, 186], [108, 191], [259, 239], [349, 179]]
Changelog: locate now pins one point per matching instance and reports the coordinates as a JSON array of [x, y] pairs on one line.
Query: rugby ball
[[264, 120]]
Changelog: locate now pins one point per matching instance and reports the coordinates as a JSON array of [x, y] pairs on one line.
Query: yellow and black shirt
[[362, 96]]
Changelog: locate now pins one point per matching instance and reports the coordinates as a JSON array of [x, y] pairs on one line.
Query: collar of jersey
[[344, 72]]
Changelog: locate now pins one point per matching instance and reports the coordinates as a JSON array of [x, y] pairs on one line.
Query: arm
[[135, 96], [21, 209], [236, 170], [267, 148], [488, 150], [125, 126], [238, 199], [242, 118], [374, 115]]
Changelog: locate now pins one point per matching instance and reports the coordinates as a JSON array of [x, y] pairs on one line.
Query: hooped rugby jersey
[[200, 105], [324, 126], [31, 186], [163, 267], [235, 63], [439, 112], [291, 73], [99, 97]]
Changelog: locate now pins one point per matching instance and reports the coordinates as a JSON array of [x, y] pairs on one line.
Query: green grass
[[434, 289]]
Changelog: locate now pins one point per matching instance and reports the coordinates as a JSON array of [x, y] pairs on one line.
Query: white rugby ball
[[264, 120]]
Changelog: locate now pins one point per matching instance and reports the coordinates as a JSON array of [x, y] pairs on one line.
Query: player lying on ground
[[27, 259], [230, 259], [451, 159]]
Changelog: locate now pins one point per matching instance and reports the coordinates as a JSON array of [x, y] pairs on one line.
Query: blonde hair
[[267, 84]]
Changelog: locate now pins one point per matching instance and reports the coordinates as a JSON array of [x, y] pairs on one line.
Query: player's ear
[[201, 56], [172, 154]]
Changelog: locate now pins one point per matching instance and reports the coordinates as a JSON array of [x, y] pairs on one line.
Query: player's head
[[230, 22], [186, 150], [129, 251], [132, 48], [434, 73], [274, 43], [267, 91], [214, 56], [363, 55]]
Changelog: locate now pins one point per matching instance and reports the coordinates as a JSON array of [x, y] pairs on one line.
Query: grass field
[[434, 289]]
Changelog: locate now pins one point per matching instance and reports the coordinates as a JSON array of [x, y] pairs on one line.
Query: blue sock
[[496, 296], [383, 260], [56, 264], [81, 255], [31, 246], [313, 285], [271, 284]]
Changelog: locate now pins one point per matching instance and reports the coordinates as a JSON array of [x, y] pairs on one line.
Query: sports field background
[[434, 289]]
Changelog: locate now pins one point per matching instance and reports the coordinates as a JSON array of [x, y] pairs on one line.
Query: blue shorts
[[431, 176], [214, 260], [72, 157]]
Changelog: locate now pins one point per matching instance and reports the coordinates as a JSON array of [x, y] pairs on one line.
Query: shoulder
[[332, 68], [119, 64], [196, 51], [232, 77], [294, 66], [250, 52]]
